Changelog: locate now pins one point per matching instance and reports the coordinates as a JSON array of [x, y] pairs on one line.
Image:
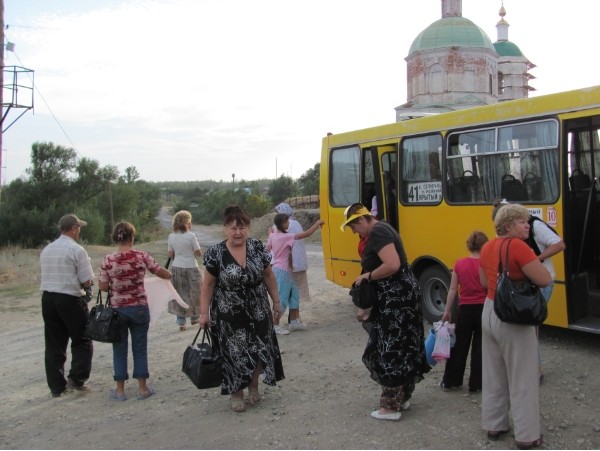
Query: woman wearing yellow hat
[[395, 351]]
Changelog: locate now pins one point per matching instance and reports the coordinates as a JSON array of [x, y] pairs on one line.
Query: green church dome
[[451, 32], [507, 48]]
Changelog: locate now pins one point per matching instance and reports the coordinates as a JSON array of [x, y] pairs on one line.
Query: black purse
[[202, 364], [103, 322], [518, 302], [364, 295]]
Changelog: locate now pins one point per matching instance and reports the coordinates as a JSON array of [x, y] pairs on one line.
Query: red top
[[124, 272], [519, 254], [470, 289]]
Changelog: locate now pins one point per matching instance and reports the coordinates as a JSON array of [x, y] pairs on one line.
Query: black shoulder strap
[[531, 238], [503, 267]]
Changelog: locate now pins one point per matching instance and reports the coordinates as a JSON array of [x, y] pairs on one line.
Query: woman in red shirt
[[509, 351], [468, 323]]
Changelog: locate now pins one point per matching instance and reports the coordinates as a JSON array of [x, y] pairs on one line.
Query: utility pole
[[1, 82]]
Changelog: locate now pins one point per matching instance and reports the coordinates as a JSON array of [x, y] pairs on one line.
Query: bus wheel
[[434, 282]]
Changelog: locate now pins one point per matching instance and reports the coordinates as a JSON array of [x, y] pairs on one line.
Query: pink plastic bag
[[441, 349]]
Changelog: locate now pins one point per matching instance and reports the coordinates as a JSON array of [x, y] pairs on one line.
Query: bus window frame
[[496, 127], [400, 173]]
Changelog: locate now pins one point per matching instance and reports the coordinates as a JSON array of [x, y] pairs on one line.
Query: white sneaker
[[296, 324], [393, 416], [280, 330]]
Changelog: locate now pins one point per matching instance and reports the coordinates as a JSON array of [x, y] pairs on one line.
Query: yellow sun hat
[[362, 211]]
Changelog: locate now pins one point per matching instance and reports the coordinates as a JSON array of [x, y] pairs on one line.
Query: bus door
[[385, 169], [582, 222]]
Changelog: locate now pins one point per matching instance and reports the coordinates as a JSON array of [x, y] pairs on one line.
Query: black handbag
[[364, 295], [518, 302], [202, 364], [103, 322]]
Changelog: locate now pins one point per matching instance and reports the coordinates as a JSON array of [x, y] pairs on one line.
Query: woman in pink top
[[280, 243], [123, 273], [468, 323]]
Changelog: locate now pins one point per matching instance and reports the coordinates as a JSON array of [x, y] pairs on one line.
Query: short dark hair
[[279, 220], [124, 232], [234, 213]]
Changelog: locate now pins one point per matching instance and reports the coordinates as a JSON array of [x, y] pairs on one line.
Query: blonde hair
[[507, 215], [180, 221]]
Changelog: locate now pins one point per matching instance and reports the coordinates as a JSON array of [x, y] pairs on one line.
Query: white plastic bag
[[443, 340]]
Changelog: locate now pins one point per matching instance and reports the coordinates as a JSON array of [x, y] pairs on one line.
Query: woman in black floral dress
[[395, 352], [235, 289]]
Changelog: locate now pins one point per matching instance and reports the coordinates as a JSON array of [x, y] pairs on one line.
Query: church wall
[[446, 75]]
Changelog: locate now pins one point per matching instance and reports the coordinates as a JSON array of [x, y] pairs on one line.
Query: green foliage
[[281, 188], [257, 206], [58, 184], [308, 182], [94, 232]]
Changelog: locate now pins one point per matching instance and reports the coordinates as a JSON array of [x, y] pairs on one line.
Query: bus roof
[[546, 105]]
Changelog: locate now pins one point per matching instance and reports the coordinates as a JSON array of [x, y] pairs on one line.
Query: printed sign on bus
[[425, 192]]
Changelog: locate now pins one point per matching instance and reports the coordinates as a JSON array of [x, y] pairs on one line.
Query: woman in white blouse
[[183, 248]]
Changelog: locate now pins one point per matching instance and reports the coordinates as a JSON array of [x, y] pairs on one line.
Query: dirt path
[[324, 402]]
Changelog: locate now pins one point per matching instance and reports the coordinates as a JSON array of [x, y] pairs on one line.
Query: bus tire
[[434, 282]]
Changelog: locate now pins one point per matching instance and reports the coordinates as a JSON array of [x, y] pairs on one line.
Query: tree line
[[59, 182]]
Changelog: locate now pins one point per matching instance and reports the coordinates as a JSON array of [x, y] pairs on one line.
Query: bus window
[[465, 167], [584, 155], [518, 162], [421, 170], [345, 176], [535, 161]]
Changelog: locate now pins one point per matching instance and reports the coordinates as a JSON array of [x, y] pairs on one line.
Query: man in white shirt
[[545, 242], [66, 271]]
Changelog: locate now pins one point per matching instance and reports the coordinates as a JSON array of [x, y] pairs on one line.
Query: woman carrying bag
[[395, 351], [509, 351], [123, 273]]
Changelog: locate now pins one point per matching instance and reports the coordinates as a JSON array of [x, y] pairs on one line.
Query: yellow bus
[[435, 179]]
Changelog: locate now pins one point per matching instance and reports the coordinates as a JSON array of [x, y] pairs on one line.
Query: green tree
[[131, 174], [282, 188], [59, 183], [309, 181]]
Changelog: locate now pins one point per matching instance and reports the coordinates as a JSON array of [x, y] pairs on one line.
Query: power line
[[46, 103]]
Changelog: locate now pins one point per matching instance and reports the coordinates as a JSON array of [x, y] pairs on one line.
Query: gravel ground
[[323, 403]]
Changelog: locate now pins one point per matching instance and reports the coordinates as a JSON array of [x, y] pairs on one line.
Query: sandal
[[529, 445], [238, 404], [118, 397], [495, 435], [253, 396], [146, 395]]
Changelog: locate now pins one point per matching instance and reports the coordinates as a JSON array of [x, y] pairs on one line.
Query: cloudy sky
[[200, 89]]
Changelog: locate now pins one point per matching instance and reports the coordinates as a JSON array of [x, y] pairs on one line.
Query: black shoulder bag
[[518, 302], [364, 295], [103, 323]]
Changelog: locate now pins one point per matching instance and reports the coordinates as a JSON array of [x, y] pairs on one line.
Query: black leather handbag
[[202, 364], [518, 302], [103, 323], [364, 295]]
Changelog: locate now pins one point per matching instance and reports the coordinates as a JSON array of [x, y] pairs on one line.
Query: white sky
[[200, 89]]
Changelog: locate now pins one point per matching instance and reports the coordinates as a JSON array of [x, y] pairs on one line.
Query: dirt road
[[324, 402]]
